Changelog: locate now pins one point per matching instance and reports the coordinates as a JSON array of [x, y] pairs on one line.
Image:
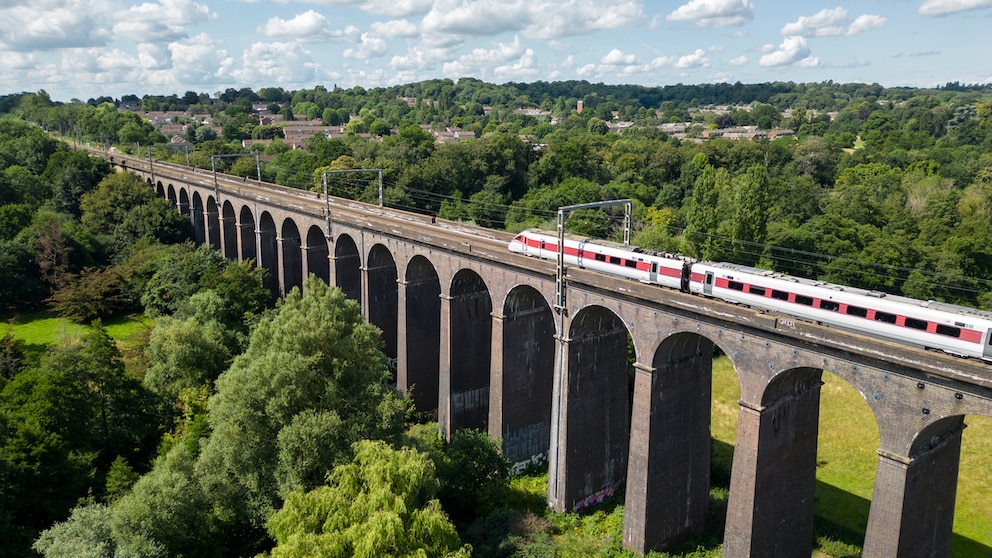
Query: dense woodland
[[231, 434]]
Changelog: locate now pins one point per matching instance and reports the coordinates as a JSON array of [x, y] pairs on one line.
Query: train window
[[630, 263], [829, 305], [781, 295], [600, 257], [614, 260], [760, 291], [885, 317], [802, 299], [735, 285], [857, 311], [950, 331], [916, 324]]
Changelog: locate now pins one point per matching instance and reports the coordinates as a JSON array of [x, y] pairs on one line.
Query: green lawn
[[39, 329]]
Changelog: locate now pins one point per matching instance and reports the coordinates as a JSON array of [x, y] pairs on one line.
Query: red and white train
[[950, 328]]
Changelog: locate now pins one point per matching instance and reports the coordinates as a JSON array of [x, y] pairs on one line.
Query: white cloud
[[714, 13], [390, 8], [506, 58], [866, 23], [792, 50], [936, 8], [825, 23], [397, 28], [524, 67], [542, 19], [588, 70], [395, 8], [276, 63], [18, 61], [738, 61], [368, 47], [832, 23], [419, 59], [307, 26], [199, 60], [474, 18], [617, 57], [160, 22], [55, 25], [696, 59]]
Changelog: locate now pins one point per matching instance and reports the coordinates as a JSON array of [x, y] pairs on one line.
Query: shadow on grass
[[841, 518]]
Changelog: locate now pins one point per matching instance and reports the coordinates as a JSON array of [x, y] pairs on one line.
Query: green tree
[[312, 382], [92, 294], [380, 504], [70, 175], [67, 420], [750, 218], [702, 214], [185, 354], [471, 469], [86, 534]]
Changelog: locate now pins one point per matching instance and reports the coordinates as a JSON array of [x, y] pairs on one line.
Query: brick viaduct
[[474, 336]]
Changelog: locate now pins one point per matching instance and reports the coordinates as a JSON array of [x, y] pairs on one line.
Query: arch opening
[[383, 299], [528, 359], [348, 267], [317, 250], [292, 256], [470, 353]]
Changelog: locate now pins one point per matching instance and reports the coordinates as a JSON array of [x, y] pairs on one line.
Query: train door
[[987, 355], [708, 284], [653, 274]]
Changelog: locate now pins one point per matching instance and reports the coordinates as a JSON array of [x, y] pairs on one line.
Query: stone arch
[[246, 230], [528, 362], [229, 226], [470, 350], [384, 298], [597, 411], [160, 190], [171, 196], [199, 231], [316, 249], [268, 251], [292, 256], [348, 267], [213, 223], [423, 335]]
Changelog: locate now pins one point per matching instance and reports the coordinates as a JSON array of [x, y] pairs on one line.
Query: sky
[[82, 49]]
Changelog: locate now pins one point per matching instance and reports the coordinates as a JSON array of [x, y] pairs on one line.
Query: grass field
[[39, 329]]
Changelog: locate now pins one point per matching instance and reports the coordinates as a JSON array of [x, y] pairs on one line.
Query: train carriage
[[615, 259], [928, 324]]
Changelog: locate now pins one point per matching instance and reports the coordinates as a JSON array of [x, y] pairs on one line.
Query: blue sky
[[87, 48]]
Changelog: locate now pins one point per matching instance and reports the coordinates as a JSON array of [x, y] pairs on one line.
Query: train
[[928, 324]]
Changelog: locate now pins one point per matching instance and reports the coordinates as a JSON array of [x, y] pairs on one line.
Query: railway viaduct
[[474, 335]]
